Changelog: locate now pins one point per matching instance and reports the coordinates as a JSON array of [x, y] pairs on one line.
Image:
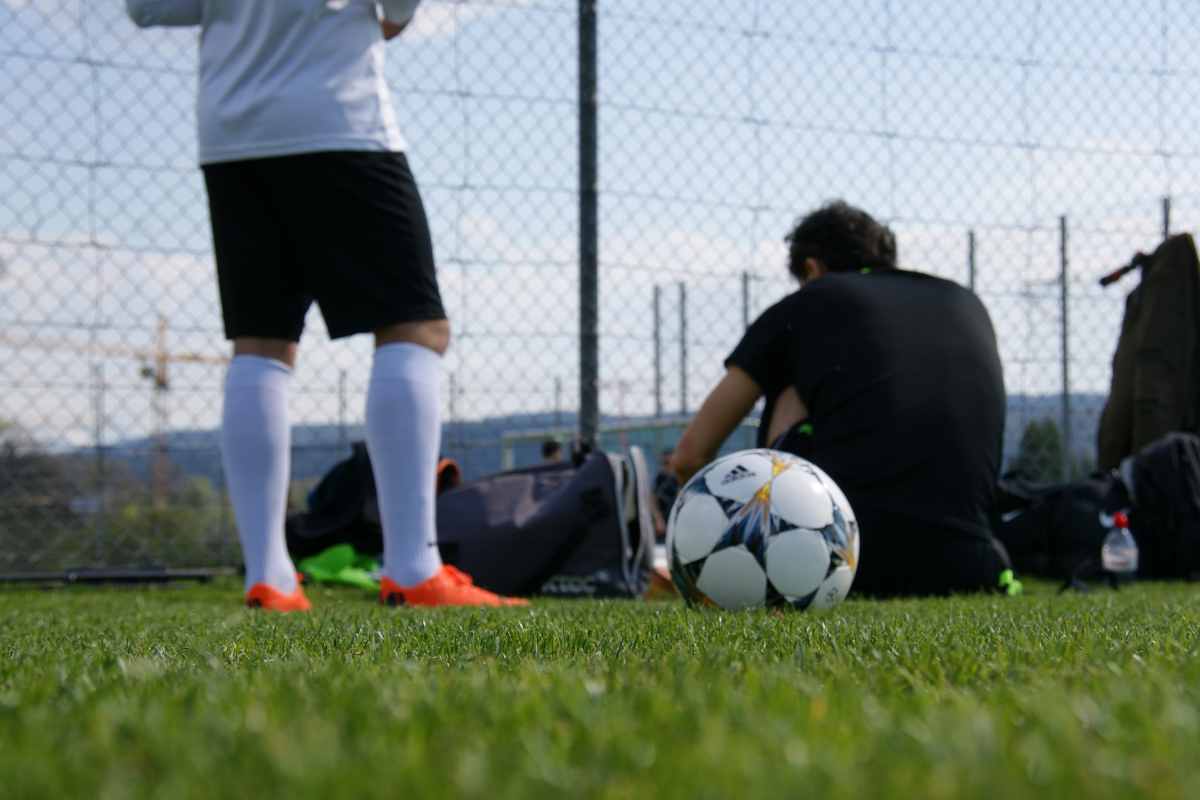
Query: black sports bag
[[1056, 531], [555, 529]]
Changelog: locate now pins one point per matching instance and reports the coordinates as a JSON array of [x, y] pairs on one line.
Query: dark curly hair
[[843, 238]]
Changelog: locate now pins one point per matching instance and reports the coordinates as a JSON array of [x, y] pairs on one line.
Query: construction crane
[[155, 363]]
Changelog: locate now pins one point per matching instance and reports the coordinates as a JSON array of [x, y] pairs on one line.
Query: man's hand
[[392, 29]]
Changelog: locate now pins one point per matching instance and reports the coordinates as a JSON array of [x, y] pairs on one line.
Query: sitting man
[[888, 380]]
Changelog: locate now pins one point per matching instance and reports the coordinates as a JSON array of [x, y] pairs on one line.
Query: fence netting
[[1019, 147]]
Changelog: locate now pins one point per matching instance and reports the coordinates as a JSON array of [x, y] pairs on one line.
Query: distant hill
[[476, 445]]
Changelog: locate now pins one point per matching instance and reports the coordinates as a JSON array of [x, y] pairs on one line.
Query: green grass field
[[178, 692]]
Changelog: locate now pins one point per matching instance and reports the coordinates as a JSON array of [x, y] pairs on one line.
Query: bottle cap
[[1121, 519]]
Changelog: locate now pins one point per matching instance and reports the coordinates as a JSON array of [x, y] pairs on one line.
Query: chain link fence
[[1017, 146]]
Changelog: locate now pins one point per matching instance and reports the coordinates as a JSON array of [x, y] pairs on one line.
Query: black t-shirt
[[904, 389]]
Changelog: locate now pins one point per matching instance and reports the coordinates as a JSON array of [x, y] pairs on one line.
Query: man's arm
[[148, 13], [724, 408]]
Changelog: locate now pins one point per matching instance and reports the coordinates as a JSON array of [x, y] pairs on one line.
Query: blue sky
[[720, 122]]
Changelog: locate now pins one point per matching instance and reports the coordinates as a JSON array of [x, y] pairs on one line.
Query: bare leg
[[433, 334], [278, 349], [789, 411]]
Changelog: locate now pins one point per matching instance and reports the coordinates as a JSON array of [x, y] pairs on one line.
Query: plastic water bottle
[[1119, 553]]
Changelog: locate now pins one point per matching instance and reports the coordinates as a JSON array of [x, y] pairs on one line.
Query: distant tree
[[1040, 454], [34, 502], [1082, 465], [26, 470], [82, 509]]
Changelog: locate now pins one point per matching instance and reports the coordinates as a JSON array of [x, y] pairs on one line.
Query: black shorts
[[903, 558], [344, 229], [902, 555]]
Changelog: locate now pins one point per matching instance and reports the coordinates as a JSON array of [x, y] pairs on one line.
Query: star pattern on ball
[[752, 524], [841, 535]]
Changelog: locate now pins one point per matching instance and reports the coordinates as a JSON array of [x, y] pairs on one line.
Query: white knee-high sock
[[256, 452], [404, 432]]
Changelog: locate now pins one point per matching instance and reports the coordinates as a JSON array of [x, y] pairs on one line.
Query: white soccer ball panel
[[738, 476], [797, 562], [799, 497], [834, 589], [697, 525], [733, 579]]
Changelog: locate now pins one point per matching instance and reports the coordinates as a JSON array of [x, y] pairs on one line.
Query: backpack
[[1056, 530], [554, 529]]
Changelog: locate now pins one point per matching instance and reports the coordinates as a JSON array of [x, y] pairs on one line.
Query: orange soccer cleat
[[268, 598], [448, 587]]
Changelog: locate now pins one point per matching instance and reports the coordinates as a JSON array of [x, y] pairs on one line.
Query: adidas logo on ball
[[736, 474]]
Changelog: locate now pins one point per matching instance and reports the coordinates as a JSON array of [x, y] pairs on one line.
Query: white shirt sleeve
[[399, 11], [147, 13]]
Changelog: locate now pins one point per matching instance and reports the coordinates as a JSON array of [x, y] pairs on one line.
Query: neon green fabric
[[340, 564], [1009, 583]]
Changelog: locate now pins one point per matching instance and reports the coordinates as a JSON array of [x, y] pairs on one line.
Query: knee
[[433, 334], [277, 349], [437, 336]]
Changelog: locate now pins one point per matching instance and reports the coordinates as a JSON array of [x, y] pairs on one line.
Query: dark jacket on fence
[[1156, 369]]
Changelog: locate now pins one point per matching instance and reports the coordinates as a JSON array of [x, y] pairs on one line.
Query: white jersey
[[279, 77]]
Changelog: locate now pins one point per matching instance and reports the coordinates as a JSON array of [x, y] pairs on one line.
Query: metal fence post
[[100, 512], [589, 246], [557, 402], [1064, 308], [343, 438], [1166, 217], [683, 350], [745, 299], [658, 405], [971, 259]]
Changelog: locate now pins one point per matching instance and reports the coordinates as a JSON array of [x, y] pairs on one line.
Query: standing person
[[311, 200], [891, 382]]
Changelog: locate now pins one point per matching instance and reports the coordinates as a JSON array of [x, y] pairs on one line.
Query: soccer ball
[[762, 528]]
